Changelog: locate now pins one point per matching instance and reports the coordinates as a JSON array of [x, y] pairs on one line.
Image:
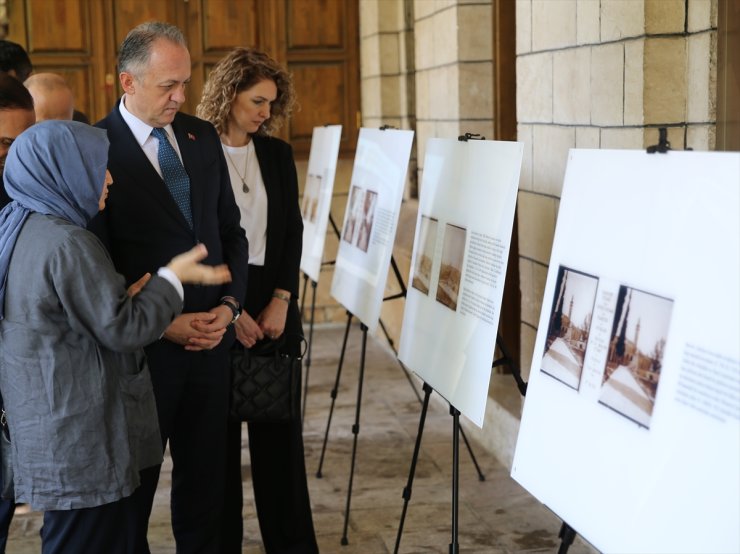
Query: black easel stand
[[314, 284], [414, 458], [567, 535], [456, 430], [355, 432], [663, 145], [333, 394], [455, 413], [307, 363], [506, 359]]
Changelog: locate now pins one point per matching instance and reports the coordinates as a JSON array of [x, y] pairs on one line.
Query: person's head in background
[[14, 60], [16, 114], [52, 96], [249, 90]]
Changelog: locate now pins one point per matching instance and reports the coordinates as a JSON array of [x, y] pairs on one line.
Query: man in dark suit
[[147, 220]]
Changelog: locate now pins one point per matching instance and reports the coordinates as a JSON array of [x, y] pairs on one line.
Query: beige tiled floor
[[495, 516]]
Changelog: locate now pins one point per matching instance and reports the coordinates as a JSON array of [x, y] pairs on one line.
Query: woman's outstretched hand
[[188, 270]]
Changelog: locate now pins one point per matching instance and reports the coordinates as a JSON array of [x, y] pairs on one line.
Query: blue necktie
[[174, 174]]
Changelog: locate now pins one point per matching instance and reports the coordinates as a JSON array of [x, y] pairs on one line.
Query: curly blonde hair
[[241, 69]]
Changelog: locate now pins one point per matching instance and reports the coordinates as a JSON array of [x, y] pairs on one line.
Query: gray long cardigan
[[76, 386]]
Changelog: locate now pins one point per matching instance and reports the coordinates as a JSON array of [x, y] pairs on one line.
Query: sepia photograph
[[569, 326], [353, 214], [425, 255], [311, 198], [366, 220], [632, 371], [450, 271]]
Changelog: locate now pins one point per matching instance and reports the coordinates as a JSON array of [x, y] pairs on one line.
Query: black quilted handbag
[[265, 382]]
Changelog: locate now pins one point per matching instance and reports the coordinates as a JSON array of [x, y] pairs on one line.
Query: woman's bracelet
[[284, 296]]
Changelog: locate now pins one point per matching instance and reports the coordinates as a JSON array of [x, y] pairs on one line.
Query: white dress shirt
[[143, 135]]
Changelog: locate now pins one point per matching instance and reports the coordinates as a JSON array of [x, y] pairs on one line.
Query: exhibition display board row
[[631, 426]]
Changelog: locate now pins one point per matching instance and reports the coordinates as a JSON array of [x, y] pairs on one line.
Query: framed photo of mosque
[[317, 194], [370, 220], [463, 231], [631, 425]]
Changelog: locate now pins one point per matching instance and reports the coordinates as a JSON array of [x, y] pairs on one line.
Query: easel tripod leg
[[454, 545], [334, 394], [355, 432], [481, 477], [303, 296], [417, 446], [567, 536], [405, 371], [308, 353]]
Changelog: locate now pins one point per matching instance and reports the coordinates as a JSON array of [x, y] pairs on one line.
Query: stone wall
[[602, 74], [589, 74]]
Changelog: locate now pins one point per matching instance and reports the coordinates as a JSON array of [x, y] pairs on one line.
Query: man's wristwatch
[[233, 305]]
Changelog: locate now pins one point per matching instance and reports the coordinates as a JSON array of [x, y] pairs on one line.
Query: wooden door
[[316, 40], [321, 50], [56, 34], [504, 118], [728, 75]]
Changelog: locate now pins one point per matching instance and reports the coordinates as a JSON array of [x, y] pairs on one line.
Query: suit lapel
[[128, 157]]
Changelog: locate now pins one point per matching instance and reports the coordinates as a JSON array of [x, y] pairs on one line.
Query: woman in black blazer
[[247, 96]]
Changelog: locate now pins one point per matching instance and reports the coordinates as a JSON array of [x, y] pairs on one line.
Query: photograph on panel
[[366, 219], [569, 326], [310, 202], [635, 358], [354, 209], [450, 271], [422, 278]]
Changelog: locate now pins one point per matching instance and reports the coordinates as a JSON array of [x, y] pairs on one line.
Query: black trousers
[[88, 530], [278, 466], [192, 406], [7, 508]]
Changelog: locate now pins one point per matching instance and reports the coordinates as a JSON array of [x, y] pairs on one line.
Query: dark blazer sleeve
[[284, 221], [289, 268]]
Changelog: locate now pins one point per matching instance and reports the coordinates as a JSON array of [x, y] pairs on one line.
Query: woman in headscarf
[[78, 396]]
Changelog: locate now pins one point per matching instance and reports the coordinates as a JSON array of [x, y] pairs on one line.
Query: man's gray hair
[[136, 48]]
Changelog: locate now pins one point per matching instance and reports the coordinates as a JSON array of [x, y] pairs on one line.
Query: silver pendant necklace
[[245, 187]]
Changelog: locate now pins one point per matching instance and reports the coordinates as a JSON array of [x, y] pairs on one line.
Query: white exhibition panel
[[370, 221], [456, 282], [631, 425], [317, 193]]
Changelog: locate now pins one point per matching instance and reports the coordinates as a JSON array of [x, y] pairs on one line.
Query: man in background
[[15, 62], [16, 115], [52, 96]]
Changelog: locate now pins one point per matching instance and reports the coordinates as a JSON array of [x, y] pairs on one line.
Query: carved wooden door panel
[[316, 39], [321, 50], [56, 34]]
